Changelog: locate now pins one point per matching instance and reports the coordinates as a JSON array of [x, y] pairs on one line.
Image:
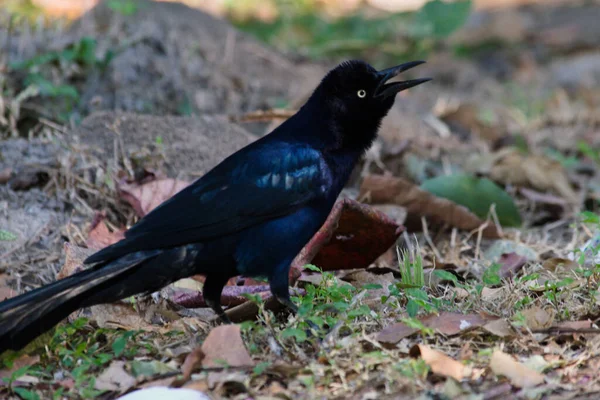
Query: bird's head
[[357, 97]]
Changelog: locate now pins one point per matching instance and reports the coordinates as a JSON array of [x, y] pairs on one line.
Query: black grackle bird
[[250, 215]]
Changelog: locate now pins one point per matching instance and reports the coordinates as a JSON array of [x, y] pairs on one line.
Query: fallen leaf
[[115, 378], [379, 189], [352, 237], [586, 324], [501, 247], [149, 368], [74, 256], [500, 327], [467, 117], [446, 323], [23, 361], [539, 318], [119, 315], [6, 292], [519, 375], [224, 346], [558, 265], [511, 167], [99, 236], [392, 334], [439, 362], [491, 295], [511, 263], [449, 324], [191, 362], [476, 194], [145, 197]]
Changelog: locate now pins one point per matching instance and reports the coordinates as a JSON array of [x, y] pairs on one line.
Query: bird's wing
[[248, 188]]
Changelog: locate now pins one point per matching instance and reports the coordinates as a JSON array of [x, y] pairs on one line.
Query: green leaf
[[26, 394], [477, 194], [296, 333], [588, 217], [412, 308], [6, 236], [85, 51], [440, 18], [123, 7], [149, 368], [119, 344], [312, 267], [359, 312], [445, 275], [372, 286], [261, 367], [491, 276]]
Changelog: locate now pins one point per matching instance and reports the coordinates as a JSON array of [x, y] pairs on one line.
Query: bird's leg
[[281, 291], [213, 286]]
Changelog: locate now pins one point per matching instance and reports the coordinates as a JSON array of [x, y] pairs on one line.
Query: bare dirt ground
[[502, 312]]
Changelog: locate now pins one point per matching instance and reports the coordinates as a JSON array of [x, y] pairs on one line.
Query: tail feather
[[25, 317]]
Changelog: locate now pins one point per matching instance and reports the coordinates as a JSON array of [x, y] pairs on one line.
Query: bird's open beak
[[390, 89]]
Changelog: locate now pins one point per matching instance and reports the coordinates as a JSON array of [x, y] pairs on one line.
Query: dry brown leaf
[[121, 316], [586, 324], [500, 327], [6, 291], [491, 295], [23, 361], [145, 197], [446, 323], [511, 263], [74, 256], [191, 362], [560, 265], [519, 375], [115, 378], [467, 117], [440, 363], [380, 189], [100, 237], [539, 318], [512, 167], [224, 345]]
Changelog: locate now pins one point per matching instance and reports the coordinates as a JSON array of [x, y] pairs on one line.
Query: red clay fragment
[[353, 236]]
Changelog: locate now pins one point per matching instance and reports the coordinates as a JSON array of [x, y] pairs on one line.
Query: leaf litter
[[513, 311]]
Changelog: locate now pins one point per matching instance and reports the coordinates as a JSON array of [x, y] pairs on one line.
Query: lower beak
[[391, 89]]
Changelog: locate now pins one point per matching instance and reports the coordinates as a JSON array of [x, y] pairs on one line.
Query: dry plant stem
[[436, 252]]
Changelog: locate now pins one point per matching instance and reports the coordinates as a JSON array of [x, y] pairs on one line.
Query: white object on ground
[[163, 393]]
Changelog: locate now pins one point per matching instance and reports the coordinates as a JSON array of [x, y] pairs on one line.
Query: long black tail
[[27, 316]]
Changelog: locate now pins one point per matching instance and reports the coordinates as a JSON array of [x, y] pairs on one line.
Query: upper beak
[[390, 89]]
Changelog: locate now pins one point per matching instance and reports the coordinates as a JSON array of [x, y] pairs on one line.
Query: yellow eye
[[361, 93]]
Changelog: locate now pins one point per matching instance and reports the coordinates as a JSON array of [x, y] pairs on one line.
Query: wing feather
[[246, 189]]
